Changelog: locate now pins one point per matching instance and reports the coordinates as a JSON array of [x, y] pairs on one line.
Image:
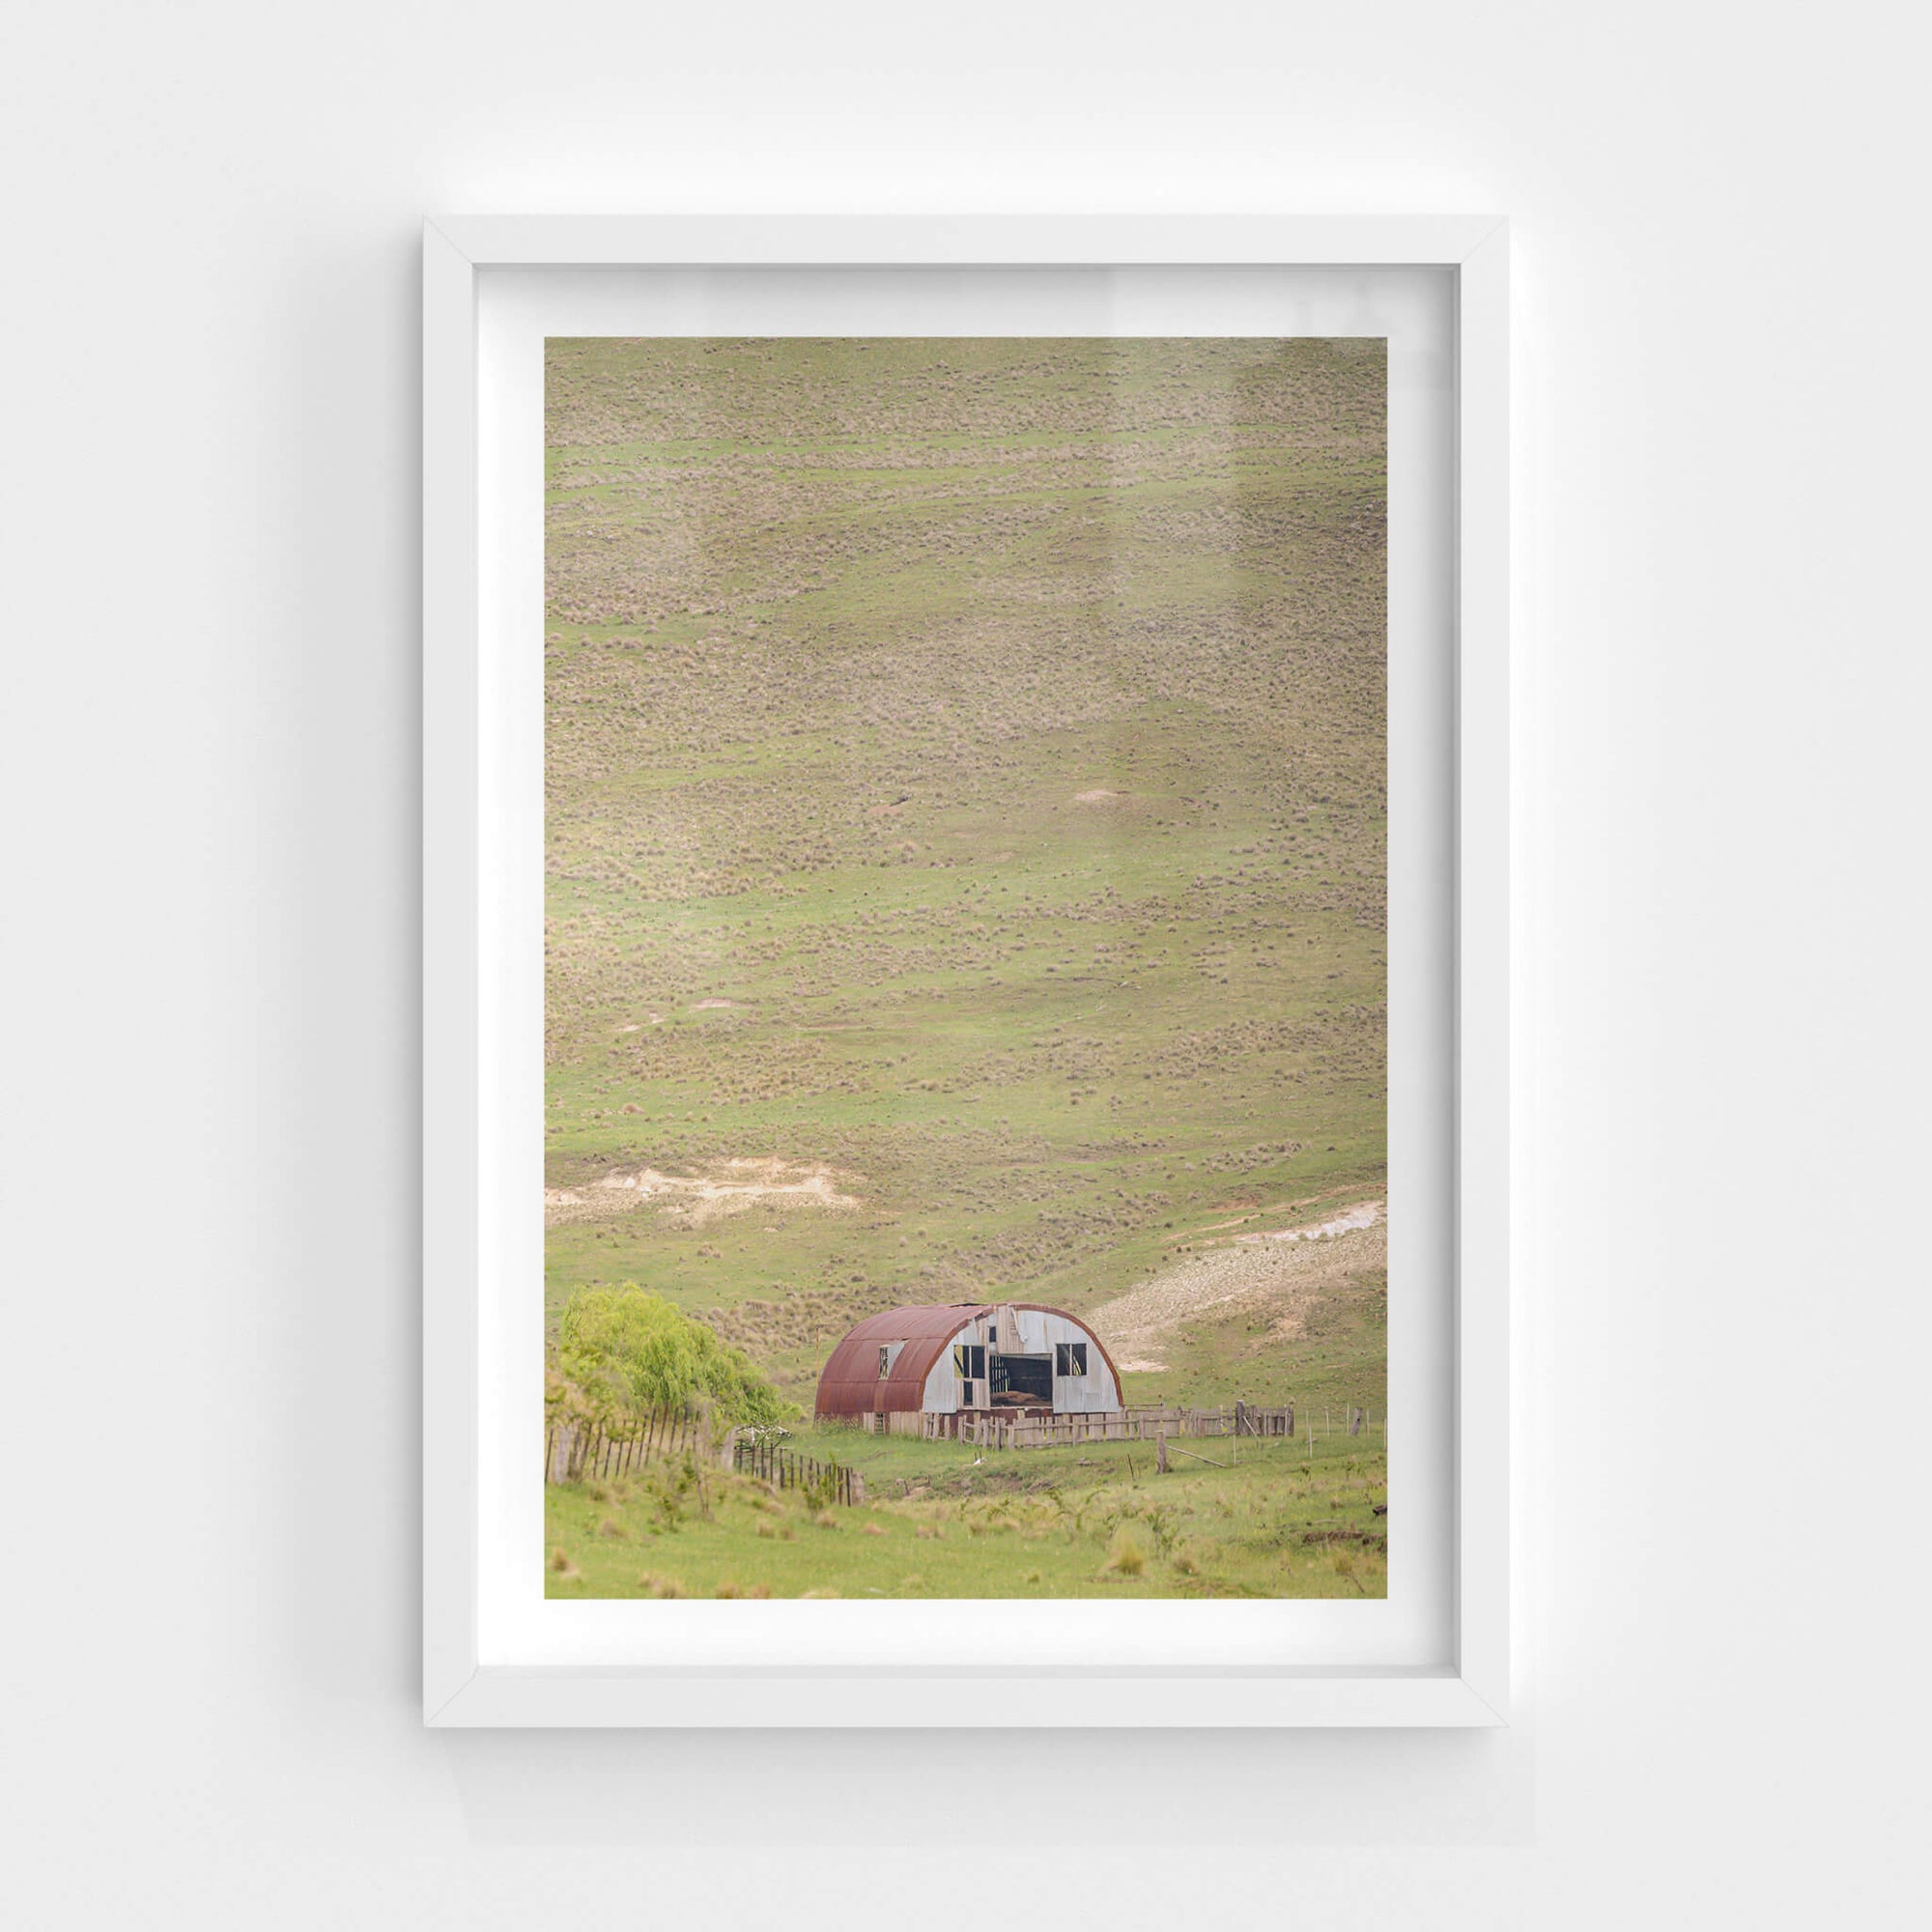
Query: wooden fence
[[785, 1470], [1121, 1425], [576, 1450]]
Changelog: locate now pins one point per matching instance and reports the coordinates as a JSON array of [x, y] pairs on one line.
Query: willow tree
[[633, 1343]]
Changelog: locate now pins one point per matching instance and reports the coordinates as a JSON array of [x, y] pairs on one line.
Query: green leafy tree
[[636, 1345]]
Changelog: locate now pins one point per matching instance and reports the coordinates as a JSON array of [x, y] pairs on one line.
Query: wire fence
[[573, 1451], [833, 1482]]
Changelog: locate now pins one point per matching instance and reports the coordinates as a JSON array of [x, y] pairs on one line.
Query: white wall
[[208, 1431], [1039, 1331]]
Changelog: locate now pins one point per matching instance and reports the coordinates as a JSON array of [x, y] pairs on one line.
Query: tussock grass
[[1050, 1522]]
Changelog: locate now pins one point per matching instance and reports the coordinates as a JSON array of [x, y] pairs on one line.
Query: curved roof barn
[[969, 1355]]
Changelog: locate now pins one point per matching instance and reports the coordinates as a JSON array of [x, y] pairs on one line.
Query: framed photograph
[[966, 971]]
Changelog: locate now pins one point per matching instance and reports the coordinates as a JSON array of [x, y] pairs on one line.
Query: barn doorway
[[1023, 1378]]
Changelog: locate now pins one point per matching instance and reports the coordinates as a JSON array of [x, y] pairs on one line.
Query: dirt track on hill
[[1277, 1279]]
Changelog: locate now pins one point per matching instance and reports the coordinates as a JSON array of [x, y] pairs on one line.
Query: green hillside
[[965, 814]]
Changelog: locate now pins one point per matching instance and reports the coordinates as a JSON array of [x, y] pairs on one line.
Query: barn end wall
[[1039, 1330]]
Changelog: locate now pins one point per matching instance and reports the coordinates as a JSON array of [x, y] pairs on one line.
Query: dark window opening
[[968, 1360], [1023, 1378], [1070, 1358]]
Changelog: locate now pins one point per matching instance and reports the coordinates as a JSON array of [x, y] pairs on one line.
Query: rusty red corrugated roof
[[850, 1383]]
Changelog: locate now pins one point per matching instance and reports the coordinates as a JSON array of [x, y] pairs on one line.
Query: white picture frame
[[476, 725]]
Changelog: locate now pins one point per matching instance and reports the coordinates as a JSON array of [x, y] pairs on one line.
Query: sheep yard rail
[[1033, 1431]]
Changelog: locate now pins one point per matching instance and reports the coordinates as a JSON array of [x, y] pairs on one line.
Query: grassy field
[[965, 870], [1091, 1522]]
